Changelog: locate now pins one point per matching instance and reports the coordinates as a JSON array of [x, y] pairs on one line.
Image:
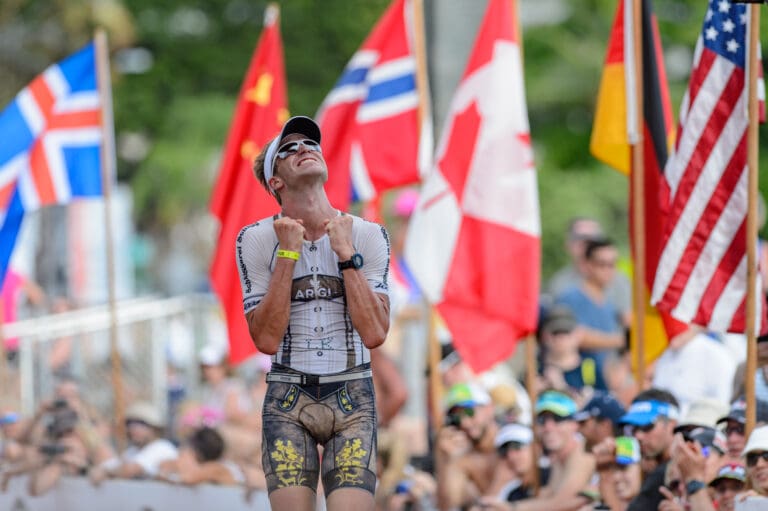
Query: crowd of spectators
[[592, 437]]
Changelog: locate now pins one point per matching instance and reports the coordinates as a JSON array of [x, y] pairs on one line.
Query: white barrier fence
[[76, 494]]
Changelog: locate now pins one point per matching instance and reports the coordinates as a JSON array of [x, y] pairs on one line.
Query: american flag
[[702, 273], [51, 139], [374, 138]]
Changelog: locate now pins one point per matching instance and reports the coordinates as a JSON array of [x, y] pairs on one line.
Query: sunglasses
[[544, 417], [289, 148], [646, 428], [738, 429], [456, 414], [752, 458]]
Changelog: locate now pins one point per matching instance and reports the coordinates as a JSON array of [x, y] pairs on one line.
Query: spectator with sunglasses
[[651, 419], [756, 457], [571, 467], [465, 456], [513, 477], [315, 297]]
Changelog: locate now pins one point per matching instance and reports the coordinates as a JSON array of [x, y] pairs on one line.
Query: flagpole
[[638, 197], [420, 52], [531, 366], [108, 167], [435, 378], [752, 163]]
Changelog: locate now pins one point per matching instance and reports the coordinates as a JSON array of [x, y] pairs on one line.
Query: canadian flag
[[473, 243]]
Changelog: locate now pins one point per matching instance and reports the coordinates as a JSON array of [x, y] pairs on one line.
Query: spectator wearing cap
[[599, 418], [756, 457], [695, 366], [623, 477], [512, 478], [729, 482], [465, 456], [571, 466], [651, 419], [11, 449], [734, 427], [147, 450], [561, 365]]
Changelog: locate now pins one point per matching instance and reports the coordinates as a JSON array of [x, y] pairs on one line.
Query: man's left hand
[[339, 229]]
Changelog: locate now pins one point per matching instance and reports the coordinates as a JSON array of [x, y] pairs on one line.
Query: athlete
[[316, 298]]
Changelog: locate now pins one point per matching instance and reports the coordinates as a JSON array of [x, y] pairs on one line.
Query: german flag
[[614, 131]]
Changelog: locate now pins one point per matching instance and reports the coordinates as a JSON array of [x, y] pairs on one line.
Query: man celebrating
[[315, 296]]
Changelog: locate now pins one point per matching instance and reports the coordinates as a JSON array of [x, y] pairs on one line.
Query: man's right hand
[[452, 442], [605, 453], [290, 233]]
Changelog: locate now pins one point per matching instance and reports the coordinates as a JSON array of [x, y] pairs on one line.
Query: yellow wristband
[[288, 254]]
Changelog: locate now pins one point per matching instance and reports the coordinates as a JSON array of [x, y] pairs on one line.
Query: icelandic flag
[[371, 120], [51, 148]]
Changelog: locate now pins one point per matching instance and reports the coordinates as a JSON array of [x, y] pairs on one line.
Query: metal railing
[[144, 329]]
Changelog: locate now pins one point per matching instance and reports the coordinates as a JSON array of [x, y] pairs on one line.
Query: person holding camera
[[465, 457]]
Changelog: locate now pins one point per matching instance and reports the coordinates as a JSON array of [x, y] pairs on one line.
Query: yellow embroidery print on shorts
[[344, 401], [290, 464], [349, 462], [290, 398]]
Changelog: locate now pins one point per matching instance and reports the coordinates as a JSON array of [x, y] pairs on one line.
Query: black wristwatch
[[693, 486], [355, 262]]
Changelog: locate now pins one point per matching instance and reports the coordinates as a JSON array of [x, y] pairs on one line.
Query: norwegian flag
[[373, 137], [51, 135], [473, 243], [702, 272]]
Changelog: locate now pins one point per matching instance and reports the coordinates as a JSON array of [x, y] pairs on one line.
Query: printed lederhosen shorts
[[340, 416]]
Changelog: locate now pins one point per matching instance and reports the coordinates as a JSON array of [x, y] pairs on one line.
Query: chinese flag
[[238, 198]]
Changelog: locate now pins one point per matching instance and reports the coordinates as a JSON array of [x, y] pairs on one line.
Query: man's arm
[[591, 339], [268, 322], [565, 496], [369, 311]]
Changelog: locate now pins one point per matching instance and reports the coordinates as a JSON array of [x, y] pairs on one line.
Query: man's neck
[[593, 290], [313, 209], [563, 454]]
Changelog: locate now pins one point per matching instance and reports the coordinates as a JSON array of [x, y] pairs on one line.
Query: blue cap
[[556, 402], [603, 405], [642, 413], [9, 418]]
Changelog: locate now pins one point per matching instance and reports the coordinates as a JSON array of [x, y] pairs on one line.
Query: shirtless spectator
[[147, 450], [513, 477], [599, 419], [465, 456], [571, 466]]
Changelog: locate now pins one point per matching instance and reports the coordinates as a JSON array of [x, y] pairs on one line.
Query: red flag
[[473, 243], [238, 198], [614, 131], [702, 273], [372, 132]]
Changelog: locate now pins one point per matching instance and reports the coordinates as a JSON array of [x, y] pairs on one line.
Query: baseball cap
[[298, 124], [211, 355], [627, 450], [466, 395], [513, 433], [9, 418], [737, 412], [559, 318], [145, 412], [642, 413], [702, 412], [555, 402], [758, 440], [708, 437], [733, 471], [603, 405]]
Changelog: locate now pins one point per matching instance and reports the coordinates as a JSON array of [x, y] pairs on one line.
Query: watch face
[[357, 261]]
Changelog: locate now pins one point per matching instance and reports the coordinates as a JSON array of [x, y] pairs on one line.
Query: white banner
[[76, 494]]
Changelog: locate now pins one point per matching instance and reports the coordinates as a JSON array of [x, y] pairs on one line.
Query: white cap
[[758, 440], [211, 355], [513, 433], [145, 412]]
